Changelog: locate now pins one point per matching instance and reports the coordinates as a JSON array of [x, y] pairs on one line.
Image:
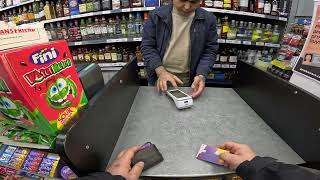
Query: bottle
[[218, 4], [97, 28], [219, 28], [125, 55], [80, 54], [252, 7], [267, 34], [275, 35], [89, 5], [82, 6], [235, 5], [90, 29], [59, 31], [224, 56], [59, 9], [107, 54], [75, 55], [48, 11], [74, 7], [96, 5], [42, 15], [31, 14], [244, 5], [123, 26], [241, 31], [251, 56], [53, 9], [284, 11], [116, 4], [66, 10], [233, 59], [131, 26], [145, 16], [87, 55], [25, 17], [111, 28], [101, 55], [267, 7], [103, 27], [138, 54], [138, 24], [119, 54], [70, 31], [36, 9], [259, 6], [227, 4], [257, 33], [124, 4], [106, 4], [53, 32], [232, 33], [257, 57], [114, 54], [48, 30], [83, 29], [136, 3], [117, 26], [94, 57], [225, 27], [274, 9], [76, 31], [64, 30], [248, 32]]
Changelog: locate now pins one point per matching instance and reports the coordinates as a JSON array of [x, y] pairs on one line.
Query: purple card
[[210, 154], [146, 145]]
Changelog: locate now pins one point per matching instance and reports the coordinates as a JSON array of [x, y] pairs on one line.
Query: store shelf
[[17, 5], [105, 41], [137, 9], [7, 141], [219, 82], [242, 13], [225, 66], [119, 64], [224, 41]]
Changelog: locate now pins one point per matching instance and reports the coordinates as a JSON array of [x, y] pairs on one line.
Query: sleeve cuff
[[248, 169]]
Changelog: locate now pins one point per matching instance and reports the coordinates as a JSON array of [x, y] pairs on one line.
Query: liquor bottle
[[20, 17], [25, 17], [53, 9], [227, 4], [42, 15], [101, 55], [248, 31], [74, 55], [232, 33], [244, 5], [224, 56], [31, 14], [103, 27], [53, 32], [89, 5], [267, 34], [233, 59], [97, 28], [96, 5], [252, 6], [138, 24], [83, 30], [113, 52], [257, 33], [136, 3], [241, 31], [274, 9], [138, 54], [130, 26], [90, 29], [80, 54], [94, 57], [284, 10], [117, 27], [219, 27], [87, 55], [48, 11], [267, 7], [106, 5], [111, 28], [116, 4], [225, 27], [82, 6], [275, 35], [76, 31], [124, 4], [218, 4], [259, 6], [47, 28], [125, 55], [59, 32], [74, 7], [59, 9], [235, 5], [36, 9], [66, 10], [107, 54], [64, 30], [145, 16], [119, 55]]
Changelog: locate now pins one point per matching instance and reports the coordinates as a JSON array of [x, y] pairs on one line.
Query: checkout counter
[[274, 117]]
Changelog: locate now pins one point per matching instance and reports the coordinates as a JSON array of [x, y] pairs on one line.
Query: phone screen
[[178, 94]]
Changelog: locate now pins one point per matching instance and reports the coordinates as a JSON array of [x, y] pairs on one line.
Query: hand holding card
[[210, 154]]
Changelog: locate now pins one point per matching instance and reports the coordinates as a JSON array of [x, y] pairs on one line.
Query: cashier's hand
[[164, 77], [198, 86], [122, 165], [239, 153]]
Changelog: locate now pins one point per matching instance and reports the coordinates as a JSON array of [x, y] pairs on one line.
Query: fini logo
[[44, 56]]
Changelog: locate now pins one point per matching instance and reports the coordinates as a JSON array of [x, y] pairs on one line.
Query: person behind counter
[[179, 45], [241, 158]]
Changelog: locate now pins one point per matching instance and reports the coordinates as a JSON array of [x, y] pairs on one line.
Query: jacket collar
[[165, 13]]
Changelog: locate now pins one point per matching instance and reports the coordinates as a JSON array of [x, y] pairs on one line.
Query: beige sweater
[[176, 59]]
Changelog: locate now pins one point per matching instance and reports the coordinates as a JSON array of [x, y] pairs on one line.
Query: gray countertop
[[219, 115]]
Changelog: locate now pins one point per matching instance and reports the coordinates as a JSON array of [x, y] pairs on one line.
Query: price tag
[[233, 66], [137, 39], [137, 9], [231, 41], [275, 45], [225, 66], [150, 8], [283, 19], [77, 43], [140, 63], [221, 41], [237, 42], [126, 10], [246, 42], [260, 43], [267, 44], [217, 66], [117, 40], [111, 40], [123, 40], [106, 12]]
